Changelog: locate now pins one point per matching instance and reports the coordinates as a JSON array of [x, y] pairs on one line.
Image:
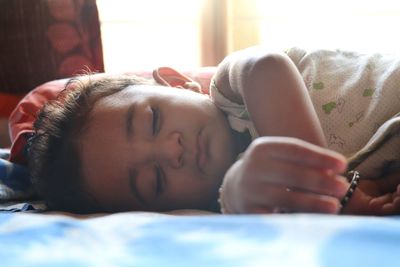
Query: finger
[[260, 210], [384, 205], [265, 210], [396, 202], [389, 209], [303, 178], [301, 152], [388, 183], [378, 202], [296, 201]]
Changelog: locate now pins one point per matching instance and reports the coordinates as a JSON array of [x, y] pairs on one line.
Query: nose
[[170, 150]]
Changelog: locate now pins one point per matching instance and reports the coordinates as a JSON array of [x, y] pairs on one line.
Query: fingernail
[[334, 208], [332, 205]]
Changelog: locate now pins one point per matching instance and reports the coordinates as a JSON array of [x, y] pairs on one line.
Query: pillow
[[46, 40]]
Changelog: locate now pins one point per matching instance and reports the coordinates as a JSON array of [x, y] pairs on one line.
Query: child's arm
[[274, 93], [278, 173]]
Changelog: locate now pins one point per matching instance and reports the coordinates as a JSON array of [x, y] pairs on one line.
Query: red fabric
[[22, 118], [203, 76], [8, 103], [46, 40]]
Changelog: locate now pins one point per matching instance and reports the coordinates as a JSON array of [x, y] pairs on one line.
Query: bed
[[149, 239]]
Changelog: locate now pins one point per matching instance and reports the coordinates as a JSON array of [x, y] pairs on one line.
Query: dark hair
[[54, 153]]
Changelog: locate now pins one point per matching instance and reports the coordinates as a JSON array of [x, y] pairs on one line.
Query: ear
[[170, 77]]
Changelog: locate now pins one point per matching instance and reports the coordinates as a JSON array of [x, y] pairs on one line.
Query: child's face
[[155, 148]]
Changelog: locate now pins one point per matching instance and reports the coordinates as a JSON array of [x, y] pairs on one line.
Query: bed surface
[[150, 239]]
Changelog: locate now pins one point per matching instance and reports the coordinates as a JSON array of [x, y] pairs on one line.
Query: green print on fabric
[[329, 107], [368, 92], [318, 86]]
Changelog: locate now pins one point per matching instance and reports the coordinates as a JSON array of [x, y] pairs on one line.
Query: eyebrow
[[128, 121], [133, 186]]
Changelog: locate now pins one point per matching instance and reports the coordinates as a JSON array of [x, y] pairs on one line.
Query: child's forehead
[[146, 88], [145, 91], [135, 93]]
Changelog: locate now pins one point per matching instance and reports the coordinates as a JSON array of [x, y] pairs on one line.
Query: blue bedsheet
[[146, 239], [15, 182]]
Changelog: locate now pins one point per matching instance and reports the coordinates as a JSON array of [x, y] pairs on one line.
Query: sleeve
[[237, 114], [23, 116]]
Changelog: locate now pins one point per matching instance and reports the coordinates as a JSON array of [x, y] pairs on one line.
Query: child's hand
[[278, 174], [376, 197]]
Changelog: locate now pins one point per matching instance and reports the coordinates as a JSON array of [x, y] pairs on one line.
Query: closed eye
[[159, 181], [155, 120]]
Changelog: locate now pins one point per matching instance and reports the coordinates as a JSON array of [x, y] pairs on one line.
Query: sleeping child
[[273, 135]]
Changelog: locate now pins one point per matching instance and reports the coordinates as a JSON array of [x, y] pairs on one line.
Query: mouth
[[201, 152]]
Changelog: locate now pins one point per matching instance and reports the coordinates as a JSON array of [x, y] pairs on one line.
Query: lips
[[201, 152]]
